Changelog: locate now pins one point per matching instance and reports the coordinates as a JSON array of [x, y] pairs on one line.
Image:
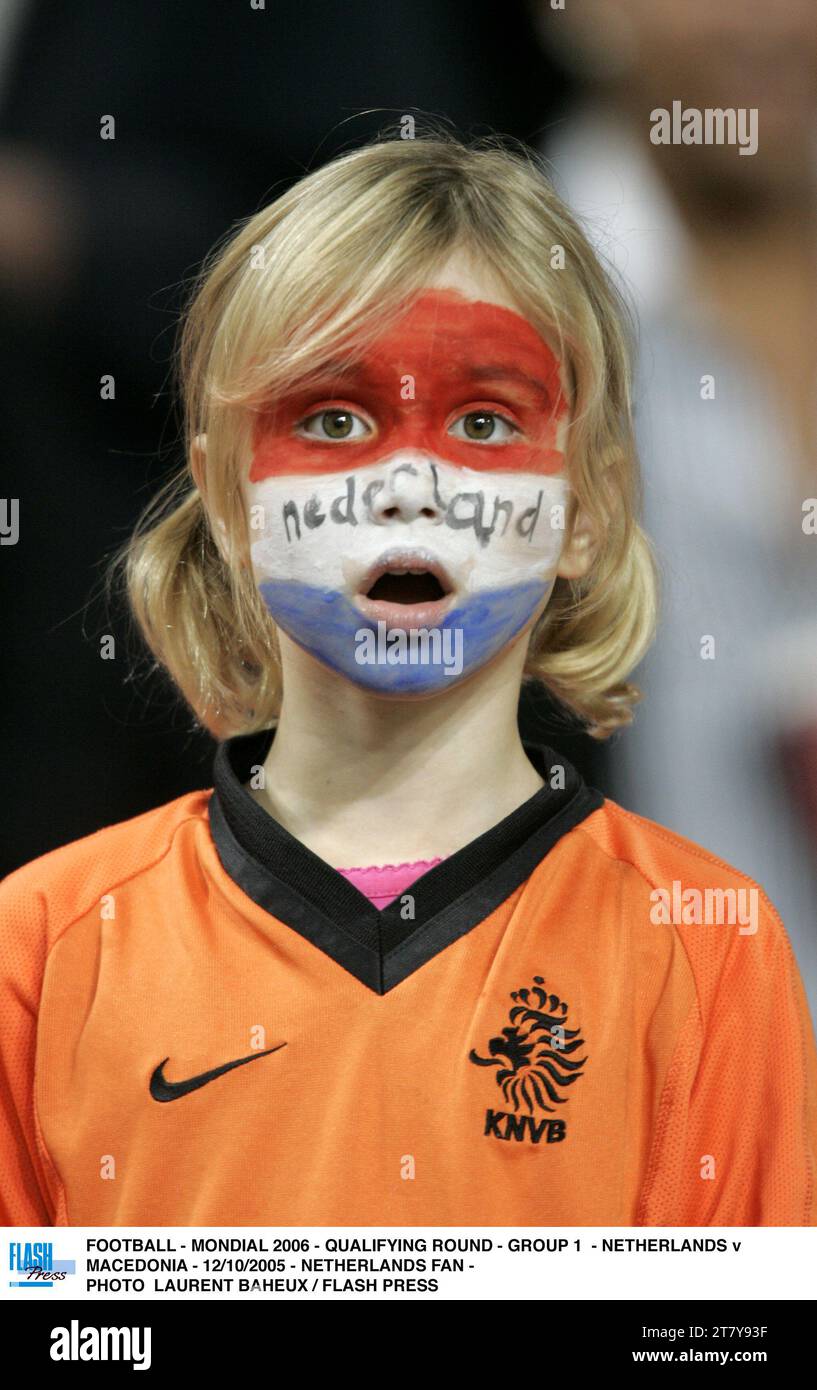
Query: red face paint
[[458, 356]]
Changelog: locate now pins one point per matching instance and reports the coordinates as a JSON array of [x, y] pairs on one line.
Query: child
[[398, 968]]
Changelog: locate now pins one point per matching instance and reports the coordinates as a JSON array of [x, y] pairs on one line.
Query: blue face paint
[[325, 623]]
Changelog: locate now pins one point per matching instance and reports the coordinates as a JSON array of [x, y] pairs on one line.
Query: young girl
[[397, 968]]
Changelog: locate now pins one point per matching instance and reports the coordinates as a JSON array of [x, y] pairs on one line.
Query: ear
[[198, 467], [580, 551]]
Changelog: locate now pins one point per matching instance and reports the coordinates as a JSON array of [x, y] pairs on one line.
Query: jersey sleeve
[[736, 1139], [25, 1196]]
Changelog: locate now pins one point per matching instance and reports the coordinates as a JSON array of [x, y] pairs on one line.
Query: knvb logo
[[34, 1265], [534, 1057]]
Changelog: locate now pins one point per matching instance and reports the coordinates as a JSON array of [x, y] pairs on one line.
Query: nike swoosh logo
[[162, 1089]]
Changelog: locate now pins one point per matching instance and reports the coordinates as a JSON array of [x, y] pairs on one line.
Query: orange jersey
[[577, 1019]]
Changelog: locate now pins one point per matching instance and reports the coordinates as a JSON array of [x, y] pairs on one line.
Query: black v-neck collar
[[383, 947]]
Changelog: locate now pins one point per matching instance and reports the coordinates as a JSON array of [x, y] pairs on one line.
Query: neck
[[383, 780]]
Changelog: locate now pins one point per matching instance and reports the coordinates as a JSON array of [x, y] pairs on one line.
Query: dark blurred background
[[218, 107]]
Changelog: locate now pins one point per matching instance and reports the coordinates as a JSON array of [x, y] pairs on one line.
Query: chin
[[418, 685], [401, 662]]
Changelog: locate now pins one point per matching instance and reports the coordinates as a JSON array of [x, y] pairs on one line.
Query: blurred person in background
[[718, 250], [214, 107]]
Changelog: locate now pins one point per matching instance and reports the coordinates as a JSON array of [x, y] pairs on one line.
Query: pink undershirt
[[382, 883]]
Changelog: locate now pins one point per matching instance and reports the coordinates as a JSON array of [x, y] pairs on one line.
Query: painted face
[[409, 509]]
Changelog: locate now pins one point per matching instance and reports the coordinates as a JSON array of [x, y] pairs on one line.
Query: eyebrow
[[344, 369], [499, 372]]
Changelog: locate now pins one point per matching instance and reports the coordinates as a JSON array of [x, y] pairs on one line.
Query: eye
[[335, 423], [484, 427]]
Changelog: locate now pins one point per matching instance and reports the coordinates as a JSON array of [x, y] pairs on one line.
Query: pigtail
[[184, 599], [595, 632]]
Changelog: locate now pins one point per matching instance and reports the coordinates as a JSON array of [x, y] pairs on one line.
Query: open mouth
[[406, 591], [406, 586]]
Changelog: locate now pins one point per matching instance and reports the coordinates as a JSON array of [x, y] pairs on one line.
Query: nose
[[409, 491]]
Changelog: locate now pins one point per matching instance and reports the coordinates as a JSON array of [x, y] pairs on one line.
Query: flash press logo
[[413, 646], [75, 1343], [32, 1265]]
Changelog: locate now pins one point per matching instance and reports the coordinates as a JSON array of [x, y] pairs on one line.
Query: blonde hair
[[326, 268]]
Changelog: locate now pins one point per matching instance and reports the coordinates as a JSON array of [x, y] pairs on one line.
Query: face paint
[[446, 353], [409, 525]]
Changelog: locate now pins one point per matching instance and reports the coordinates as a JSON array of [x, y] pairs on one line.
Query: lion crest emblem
[[535, 1053]]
